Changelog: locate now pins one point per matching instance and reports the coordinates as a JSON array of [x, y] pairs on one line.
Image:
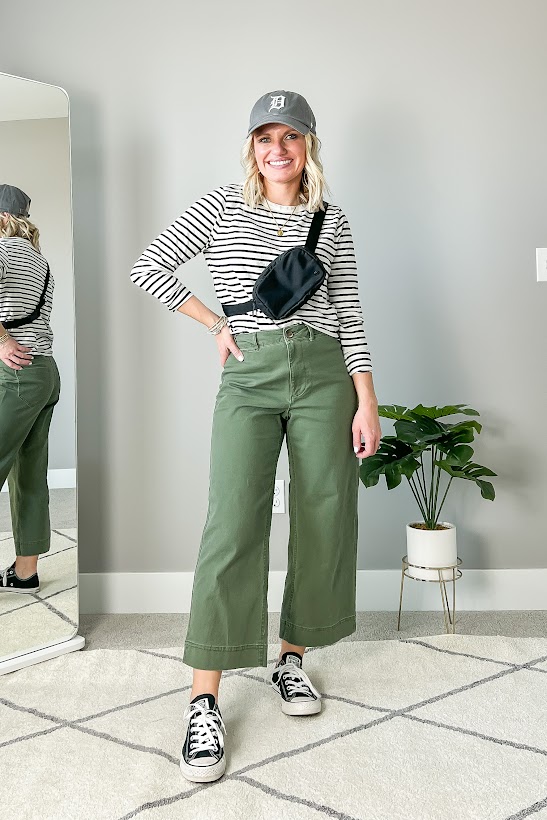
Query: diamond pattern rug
[[419, 729], [28, 622]]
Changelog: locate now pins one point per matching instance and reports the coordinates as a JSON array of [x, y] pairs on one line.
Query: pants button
[[289, 334]]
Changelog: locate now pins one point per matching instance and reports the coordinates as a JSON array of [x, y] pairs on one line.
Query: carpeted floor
[[146, 631], [49, 615], [411, 729]]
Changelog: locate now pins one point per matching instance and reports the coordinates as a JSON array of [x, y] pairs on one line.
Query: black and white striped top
[[238, 242], [22, 276]]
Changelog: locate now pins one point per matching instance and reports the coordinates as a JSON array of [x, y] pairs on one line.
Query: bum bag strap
[[241, 307], [26, 320], [315, 229]]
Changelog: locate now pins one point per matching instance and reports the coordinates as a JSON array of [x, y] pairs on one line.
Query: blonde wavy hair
[[11, 225], [312, 184]]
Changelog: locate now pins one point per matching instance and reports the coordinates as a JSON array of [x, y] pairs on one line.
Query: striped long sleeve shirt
[[22, 277], [238, 242]]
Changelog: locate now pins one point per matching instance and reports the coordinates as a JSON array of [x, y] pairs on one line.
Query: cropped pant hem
[[224, 657], [316, 636], [39, 547], [246, 656]]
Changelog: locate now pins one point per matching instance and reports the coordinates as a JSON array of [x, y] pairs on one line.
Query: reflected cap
[[287, 107], [14, 201]]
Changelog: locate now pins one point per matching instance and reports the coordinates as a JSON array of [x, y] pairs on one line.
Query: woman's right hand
[[15, 355], [226, 346]]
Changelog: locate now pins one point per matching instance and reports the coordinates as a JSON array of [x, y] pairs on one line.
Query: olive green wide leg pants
[[27, 399], [293, 382]]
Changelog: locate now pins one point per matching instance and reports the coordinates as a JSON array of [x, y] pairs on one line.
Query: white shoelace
[[204, 729], [4, 576], [296, 680]]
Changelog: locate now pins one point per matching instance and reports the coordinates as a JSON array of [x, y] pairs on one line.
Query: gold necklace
[[280, 227]]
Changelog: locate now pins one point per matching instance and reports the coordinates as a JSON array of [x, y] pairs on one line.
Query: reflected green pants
[[27, 399], [293, 382]]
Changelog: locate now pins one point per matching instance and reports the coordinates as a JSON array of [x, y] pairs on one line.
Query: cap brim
[[17, 212], [297, 124]]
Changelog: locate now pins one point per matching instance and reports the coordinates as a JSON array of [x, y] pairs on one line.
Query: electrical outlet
[[541, 264], [279, 496]]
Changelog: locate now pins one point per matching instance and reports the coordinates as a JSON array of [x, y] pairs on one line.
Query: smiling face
[[280, 153]]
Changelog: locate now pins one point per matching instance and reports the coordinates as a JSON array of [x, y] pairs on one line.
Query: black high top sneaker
[[298, 694], [10, 581], [203, 758]]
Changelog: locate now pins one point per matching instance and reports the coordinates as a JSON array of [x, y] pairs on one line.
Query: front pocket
[[8, 376]]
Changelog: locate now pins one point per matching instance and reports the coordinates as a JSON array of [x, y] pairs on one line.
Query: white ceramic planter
[[431, 548]]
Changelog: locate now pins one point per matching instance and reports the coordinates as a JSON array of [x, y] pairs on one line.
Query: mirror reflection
[[38, 555]]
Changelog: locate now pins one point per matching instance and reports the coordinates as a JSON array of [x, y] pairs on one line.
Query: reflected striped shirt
[[22, 277], [238, 242]]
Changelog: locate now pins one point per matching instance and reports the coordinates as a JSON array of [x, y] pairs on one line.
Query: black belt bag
[[26, 320], [289, 280]]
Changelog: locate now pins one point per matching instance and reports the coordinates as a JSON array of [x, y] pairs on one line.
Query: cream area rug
[[28, 622], [448, 726]]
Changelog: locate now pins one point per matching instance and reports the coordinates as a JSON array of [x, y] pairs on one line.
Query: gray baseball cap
[[287, 107], [14, 201]]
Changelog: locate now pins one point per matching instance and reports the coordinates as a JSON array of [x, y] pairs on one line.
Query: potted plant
[[423, 449]]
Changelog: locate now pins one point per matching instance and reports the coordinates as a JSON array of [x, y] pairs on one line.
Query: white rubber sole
[[305, 707], [20, 591], [203, 774]]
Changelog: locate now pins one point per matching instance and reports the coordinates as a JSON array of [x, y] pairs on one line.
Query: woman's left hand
[[366, 423]]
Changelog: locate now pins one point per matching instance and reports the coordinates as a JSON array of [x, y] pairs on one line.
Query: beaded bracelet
[[4, 338], [218, 325]]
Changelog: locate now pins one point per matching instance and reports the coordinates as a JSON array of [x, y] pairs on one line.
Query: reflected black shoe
[[203, 758], [298, 694], [10, 581]]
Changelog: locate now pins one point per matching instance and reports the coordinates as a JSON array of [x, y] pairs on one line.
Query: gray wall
[[434, 126], [35, 156]]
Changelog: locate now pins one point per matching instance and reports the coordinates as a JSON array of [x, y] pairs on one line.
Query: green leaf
[[407, 431], [465, 425], [370, 480], [393, 476], [477, 470], [445, 465], [392, 411], [372, 468], [392, 457], [459, 454], [467, 472], [462, 435], [409, 465], [447, 410], [419, 430], [487, 490]]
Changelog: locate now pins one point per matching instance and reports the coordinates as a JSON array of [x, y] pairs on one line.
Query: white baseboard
[[61, 479], [377, 591], [56, 479]]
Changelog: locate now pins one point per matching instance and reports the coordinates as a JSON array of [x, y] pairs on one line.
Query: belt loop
[[254, 336], [311, 332]]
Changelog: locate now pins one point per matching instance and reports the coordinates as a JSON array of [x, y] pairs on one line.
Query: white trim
[[377, 591], [44, 653], [56, 479], [60, 479]]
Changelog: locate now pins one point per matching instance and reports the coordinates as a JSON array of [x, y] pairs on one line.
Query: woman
[[308, 378], [29, 387]]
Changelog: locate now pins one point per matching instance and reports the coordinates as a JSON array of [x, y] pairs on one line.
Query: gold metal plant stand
[[449, 617]]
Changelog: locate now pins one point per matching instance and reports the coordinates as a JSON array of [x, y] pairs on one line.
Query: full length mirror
[[38, 555]]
